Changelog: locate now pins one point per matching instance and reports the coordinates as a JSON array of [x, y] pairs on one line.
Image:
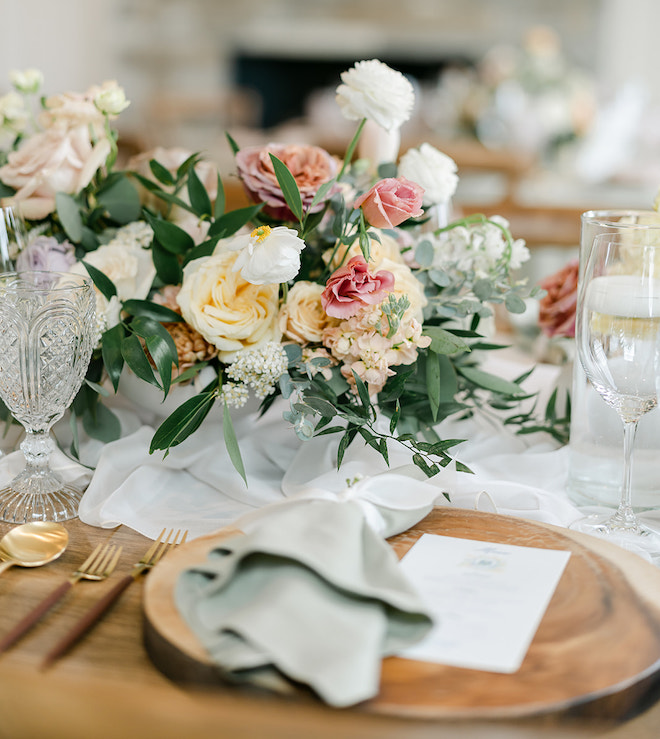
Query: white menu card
[[487, 599]]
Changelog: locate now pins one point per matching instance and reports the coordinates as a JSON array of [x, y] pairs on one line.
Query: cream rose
[[405, 283], [130, 268], [229, 312], [55, 160], [302, 318]]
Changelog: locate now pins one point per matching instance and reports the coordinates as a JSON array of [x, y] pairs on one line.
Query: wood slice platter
[[596, 651]]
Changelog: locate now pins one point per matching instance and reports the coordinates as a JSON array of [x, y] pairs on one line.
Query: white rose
[[110, 99], [373, 90], [228, 312], [130, 268], [302, 318], [28, 81], [267, 255], [433, 170]]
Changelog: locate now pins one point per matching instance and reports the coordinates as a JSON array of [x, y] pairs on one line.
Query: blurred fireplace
[[284, 83]]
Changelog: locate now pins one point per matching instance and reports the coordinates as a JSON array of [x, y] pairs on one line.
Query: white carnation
[[433, 170], [373, 90]]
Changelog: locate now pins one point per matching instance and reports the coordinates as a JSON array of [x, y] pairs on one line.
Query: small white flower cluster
[[137, 233], [259, 369], [234, 394]]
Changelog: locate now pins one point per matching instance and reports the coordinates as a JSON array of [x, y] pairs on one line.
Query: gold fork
[[98, 566], [149, 559]]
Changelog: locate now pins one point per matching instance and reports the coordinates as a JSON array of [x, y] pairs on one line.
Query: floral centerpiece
[[334, 289]]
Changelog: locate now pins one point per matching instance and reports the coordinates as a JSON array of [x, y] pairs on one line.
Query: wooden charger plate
[[597, 649]]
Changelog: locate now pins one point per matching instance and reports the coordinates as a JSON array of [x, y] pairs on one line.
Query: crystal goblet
[[47, 333]]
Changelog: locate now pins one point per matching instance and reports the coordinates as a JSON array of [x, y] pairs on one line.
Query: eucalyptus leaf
[[433, 383], [121, 200], [231, 443], [424, 253], [444, 342], [68, 212], [514, 303]]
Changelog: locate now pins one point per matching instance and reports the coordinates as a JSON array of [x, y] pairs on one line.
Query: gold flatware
[[32, 544], [149, 559], [98, 566]]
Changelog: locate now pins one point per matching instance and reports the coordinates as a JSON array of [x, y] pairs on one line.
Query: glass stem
[[625, 515], [37, 447]]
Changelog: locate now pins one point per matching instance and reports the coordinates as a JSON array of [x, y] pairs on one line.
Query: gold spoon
[[32, 544]]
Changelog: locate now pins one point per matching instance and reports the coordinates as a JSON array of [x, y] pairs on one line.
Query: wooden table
[[108, 687]]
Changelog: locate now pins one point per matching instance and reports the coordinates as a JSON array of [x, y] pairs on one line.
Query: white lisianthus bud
[[373, 90], [28, 81], [433, 170], [13, 115], [111, 99], [267, 255]]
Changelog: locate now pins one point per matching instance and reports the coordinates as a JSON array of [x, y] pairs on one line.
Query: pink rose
[[391, 202], [557, 307], [352, 286], [55, 160], [310, 166]]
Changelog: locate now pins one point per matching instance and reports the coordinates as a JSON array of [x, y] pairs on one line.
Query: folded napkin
[[310, 595]]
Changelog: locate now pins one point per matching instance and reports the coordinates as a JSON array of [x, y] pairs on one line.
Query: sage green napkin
[[311, 594]]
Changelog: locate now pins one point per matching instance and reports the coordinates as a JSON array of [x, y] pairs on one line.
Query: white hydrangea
[[479, 247], [136, 233], [259, 368]]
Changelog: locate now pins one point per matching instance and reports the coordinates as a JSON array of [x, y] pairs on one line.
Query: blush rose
[[391, 202], [352, 286]]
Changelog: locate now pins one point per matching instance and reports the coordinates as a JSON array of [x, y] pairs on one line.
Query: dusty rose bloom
[[557, 308], [352, 286], [311, 166], [391, 202]]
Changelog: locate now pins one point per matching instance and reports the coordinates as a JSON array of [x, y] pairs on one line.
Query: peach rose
[[55, 160], [302, 318], [391, 202], [311, 166], [229, 312], [557, 307], [352, 287]]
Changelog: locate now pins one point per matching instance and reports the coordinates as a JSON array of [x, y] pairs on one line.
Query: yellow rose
[[302, 318], [229, 312]]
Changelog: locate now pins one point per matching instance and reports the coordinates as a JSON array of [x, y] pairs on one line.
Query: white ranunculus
[[267, 255], [13, 114], [28, 81], [110, 99], [375, 91], [433, 170]]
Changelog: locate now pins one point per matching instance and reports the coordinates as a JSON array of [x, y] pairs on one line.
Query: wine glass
[[13, 236], [47, 333], [618, 320]]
